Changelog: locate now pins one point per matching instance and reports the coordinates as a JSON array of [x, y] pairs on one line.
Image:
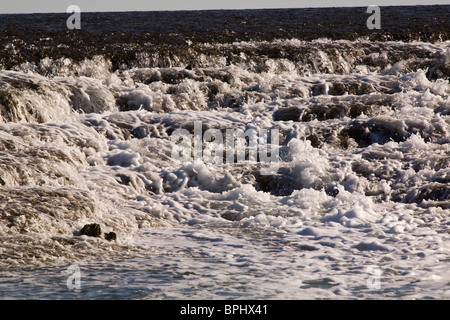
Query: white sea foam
[[365, 184]]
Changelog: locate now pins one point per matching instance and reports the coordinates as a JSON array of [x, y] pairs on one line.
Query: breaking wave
[[364, 159]]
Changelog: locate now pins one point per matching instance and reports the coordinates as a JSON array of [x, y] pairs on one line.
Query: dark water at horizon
[[119, 36]]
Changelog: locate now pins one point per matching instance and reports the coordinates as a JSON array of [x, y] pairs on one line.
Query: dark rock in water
[[110, 236], [432, 192], [324, 112], [287, 114], [381, 131], [233, 216], [332, 191], [140, 131], [278, 185], [92, 230]]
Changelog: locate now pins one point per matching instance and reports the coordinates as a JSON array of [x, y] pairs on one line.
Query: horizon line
[[228, 9]]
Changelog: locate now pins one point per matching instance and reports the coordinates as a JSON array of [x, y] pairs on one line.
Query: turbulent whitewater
[[363, 179]]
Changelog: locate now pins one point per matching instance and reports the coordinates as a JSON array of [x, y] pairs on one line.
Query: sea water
[[358, 206]]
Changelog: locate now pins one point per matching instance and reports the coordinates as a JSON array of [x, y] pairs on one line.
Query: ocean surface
[[359, 204]]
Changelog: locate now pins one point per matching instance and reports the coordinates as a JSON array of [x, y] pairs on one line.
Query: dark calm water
[[120, 36]]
